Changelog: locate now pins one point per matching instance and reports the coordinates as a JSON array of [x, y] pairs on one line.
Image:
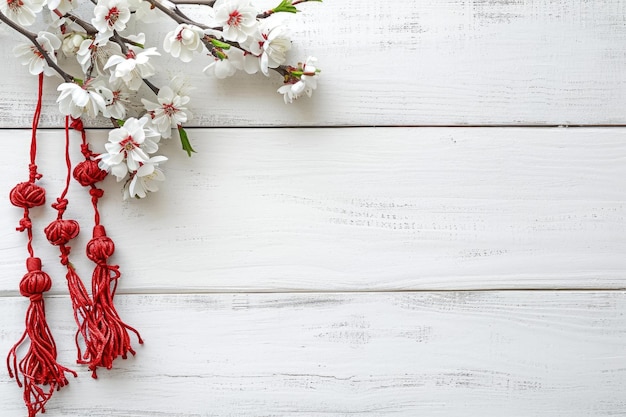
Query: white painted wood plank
[[442, 62], [398, 354], [353, 209]]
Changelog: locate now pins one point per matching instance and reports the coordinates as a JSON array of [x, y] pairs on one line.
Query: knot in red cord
[[60, 205], [27, 195], [65, 255], [88, 173], [25, 224], [86, 151], [35, 282], [101, 247], [96, 192], [77, 124], [32, 172], [61, 231]]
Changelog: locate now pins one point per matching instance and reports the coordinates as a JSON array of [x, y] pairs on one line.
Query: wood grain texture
[[398, 354], [353, 209], [419, 62]]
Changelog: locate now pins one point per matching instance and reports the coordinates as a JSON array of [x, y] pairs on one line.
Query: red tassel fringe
[[38, 371], [115, 338]]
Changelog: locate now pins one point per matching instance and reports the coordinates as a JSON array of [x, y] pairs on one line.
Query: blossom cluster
[[116, 66]]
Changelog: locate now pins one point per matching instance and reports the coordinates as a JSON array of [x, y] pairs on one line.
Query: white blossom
[[251, 63], [110, 15], [115, 96], [133, 67], [145, 179], [128, 148], [62, 6], [183, 41], [75, 100], [180, 85], [94, 54], [222, 68], [305, 85], [275, 45], [237, 17], [21, 11], [31, 56], [169, 112], [270, 45]]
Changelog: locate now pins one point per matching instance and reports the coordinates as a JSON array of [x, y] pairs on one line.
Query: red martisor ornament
[[37, 371], [107, 335]]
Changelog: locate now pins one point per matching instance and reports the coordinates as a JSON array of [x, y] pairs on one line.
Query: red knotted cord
[[59, 233], [38, 371], [110, 337]]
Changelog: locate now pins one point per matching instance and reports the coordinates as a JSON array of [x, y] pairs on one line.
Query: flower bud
[[71, 43]]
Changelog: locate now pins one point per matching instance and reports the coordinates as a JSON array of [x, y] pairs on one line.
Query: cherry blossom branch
[[181, 14], [176, 17], [283, 70], [208, 3], [206, 40], [32, 37], [88, 27]]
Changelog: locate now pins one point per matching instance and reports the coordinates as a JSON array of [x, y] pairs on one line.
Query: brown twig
[[88, 27], [208, 3]]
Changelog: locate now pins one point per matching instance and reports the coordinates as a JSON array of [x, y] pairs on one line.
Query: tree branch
[[89, 28]]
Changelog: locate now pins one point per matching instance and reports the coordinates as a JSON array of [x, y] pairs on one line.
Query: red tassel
[[59, 233], [38, 371], [109, 334], [115, 333], [38, 368]]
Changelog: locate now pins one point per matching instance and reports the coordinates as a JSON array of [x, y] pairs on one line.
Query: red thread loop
[[27, 195], [88, 173], [60, 231]]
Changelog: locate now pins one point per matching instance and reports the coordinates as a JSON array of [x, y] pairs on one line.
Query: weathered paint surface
[[364, 271]]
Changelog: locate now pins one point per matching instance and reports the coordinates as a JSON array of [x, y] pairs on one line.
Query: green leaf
[[285, 6], [219, 54], [184, 140], [220, 44]]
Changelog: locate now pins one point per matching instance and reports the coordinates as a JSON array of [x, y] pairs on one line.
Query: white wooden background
[[439, 231]]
